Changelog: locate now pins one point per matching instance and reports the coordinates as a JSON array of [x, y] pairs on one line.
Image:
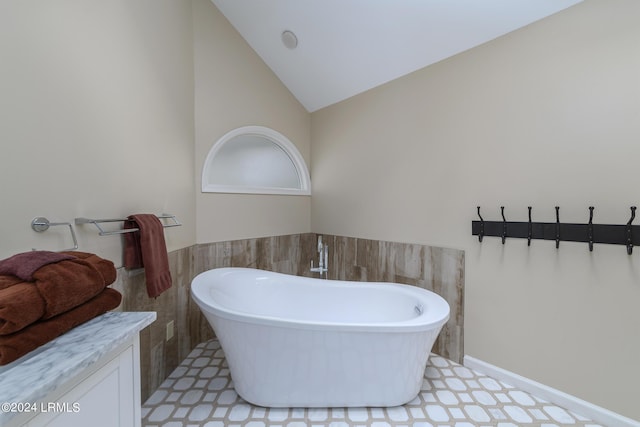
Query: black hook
[[557, 227], [530, 228], [481, 234], [504, 225], [629, 236], [591, 228]]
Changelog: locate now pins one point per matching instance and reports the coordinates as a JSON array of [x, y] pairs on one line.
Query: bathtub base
[[281, 367]]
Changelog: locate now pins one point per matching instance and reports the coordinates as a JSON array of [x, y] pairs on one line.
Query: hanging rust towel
[[146, 248]]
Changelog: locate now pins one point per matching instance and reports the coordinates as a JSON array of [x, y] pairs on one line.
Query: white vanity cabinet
[[108, 396], [98, 383]]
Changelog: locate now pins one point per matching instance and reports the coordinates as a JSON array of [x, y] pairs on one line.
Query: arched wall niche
[[257, 160]]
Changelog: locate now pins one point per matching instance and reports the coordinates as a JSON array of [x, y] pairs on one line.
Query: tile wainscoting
[[437, 269], [159, 356], [440, 270]]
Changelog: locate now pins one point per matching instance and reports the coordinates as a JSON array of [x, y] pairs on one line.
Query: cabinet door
[[107, 398]]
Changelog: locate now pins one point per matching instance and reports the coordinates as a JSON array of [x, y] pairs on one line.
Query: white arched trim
[[242, 168]]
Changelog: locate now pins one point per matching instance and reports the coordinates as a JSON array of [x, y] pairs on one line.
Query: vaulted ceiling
[[345, 47]]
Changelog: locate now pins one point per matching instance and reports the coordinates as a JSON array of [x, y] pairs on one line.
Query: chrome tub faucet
[[323, 261]]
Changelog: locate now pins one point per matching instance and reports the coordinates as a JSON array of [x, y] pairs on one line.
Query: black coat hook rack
[[624, 234]]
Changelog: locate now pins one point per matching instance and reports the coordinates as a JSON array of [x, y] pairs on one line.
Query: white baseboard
[[557, 397]]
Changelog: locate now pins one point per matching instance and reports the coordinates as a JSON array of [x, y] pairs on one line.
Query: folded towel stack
[[45, 294]]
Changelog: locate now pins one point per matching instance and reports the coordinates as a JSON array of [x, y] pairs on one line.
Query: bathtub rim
[[416, 324]]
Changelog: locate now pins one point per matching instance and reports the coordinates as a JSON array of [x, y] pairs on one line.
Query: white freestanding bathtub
[[293, 341]]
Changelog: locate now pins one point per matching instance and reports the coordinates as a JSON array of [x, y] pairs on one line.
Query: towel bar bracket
[[41, 224]]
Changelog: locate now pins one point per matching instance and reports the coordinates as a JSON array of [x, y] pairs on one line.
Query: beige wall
[[110, 108], [545, 116], [234, 88], [96, 119]]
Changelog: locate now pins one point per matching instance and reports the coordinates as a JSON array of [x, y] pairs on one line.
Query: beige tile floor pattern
[[200, 393]]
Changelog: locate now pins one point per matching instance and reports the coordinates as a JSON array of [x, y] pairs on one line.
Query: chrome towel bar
[[103, 232]]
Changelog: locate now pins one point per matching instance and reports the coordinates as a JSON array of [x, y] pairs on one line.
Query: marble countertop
[[35, 375]]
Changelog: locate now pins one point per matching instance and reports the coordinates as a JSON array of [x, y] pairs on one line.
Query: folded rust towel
[[20, 306], [104, 266], [20, 343], [56, 288], [146, 248], [67, 284], [23, 265], [7, 280]]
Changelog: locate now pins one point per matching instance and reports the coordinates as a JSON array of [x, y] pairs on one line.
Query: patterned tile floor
[[200, 393]]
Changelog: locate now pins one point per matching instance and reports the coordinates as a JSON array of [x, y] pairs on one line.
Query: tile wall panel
[[158, 356], [436, 269]]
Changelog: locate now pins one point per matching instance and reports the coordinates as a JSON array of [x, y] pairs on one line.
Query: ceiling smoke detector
[[289, 39]]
